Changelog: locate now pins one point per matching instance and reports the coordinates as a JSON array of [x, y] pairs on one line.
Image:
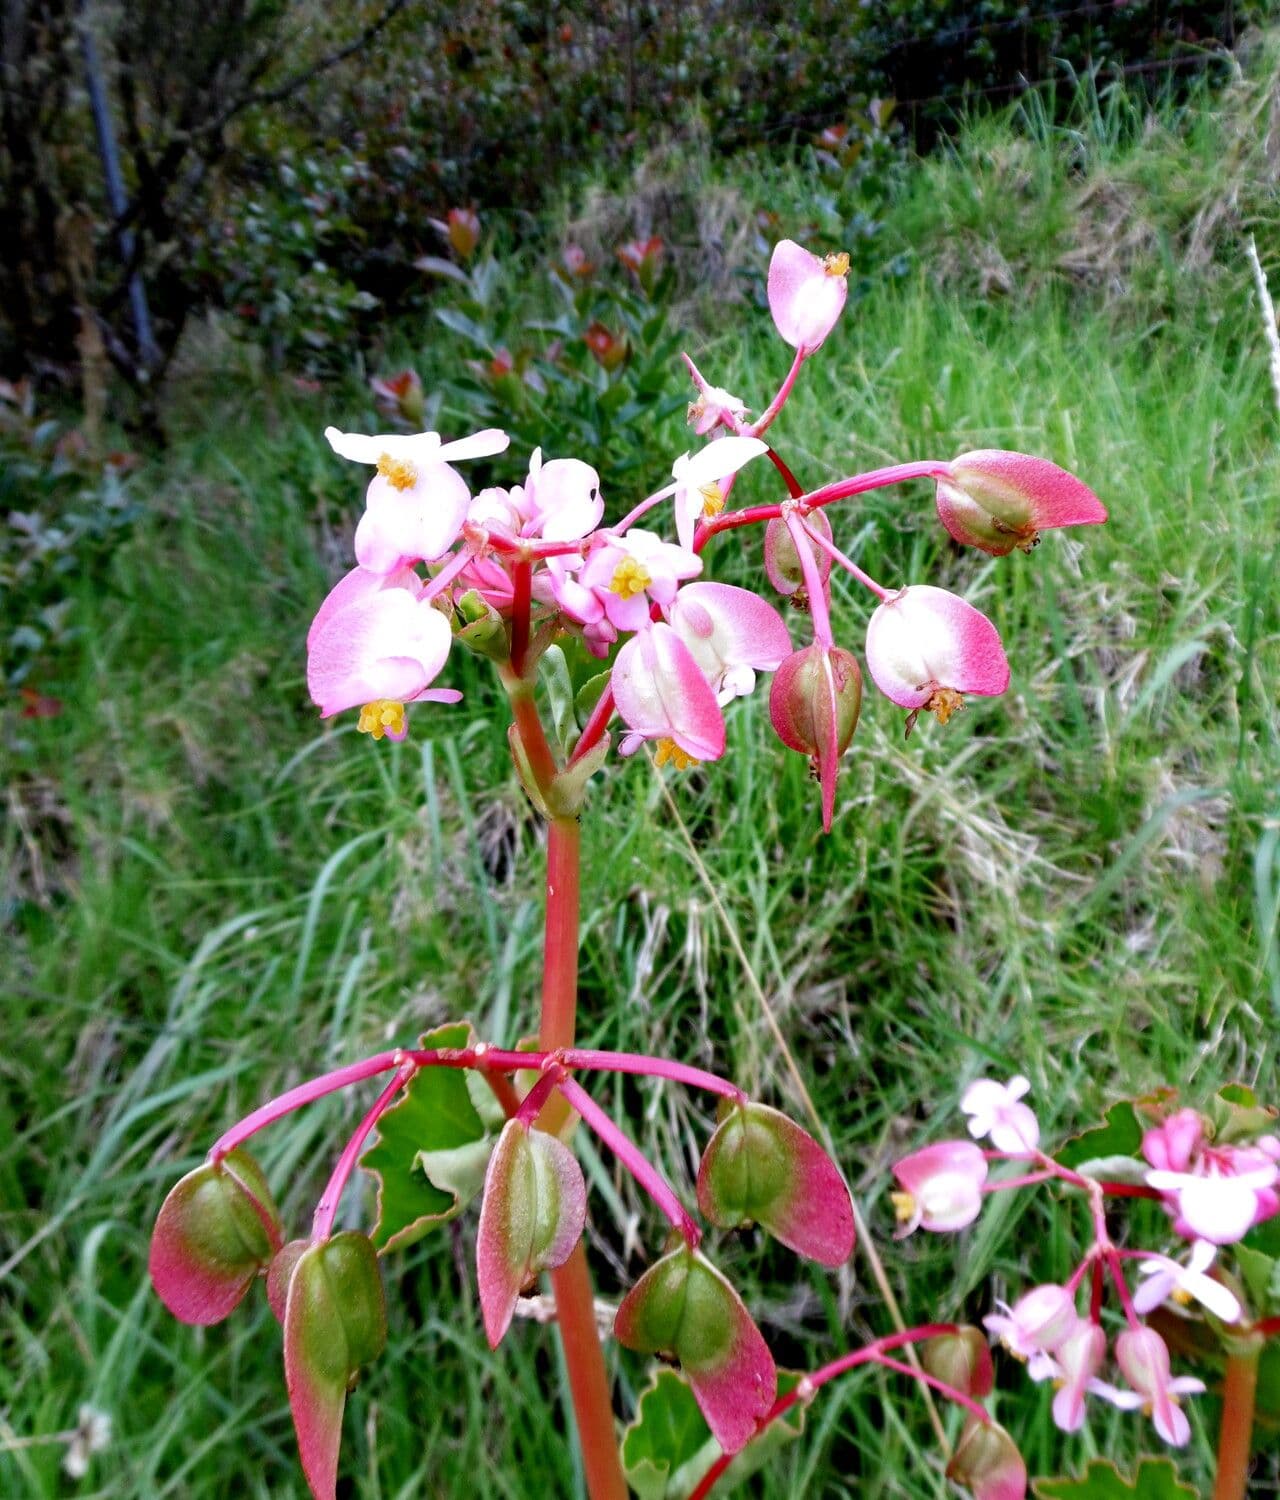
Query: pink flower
[[926, 648], [941, 1187], [627, 572], [1037, 1323], [1166, 1278], [562, 498], [699, 477], [731, 633], [1229, 1192], [375, 642], [1171, 1145], [1077, 1361], [1143, 1356], [416, 503], [714, 407], [806, 294], [994, 1111], [662, 695], [996, 500]]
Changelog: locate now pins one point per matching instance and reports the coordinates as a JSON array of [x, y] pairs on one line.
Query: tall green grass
[[1077, 881]]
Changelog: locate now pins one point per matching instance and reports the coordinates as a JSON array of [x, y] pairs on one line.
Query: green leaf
[[559, 686], [667, 1448], [1156, 1479], [1119, 1135], [590, 693], [432, 1149], [1236, 1114], [1261, 1275]]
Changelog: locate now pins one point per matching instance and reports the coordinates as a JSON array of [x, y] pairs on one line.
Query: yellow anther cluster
[[385, 716], [630, 578], [398, 472], [836, 265], [944, 703], [712, 500], [904, 1207], [667, 752]]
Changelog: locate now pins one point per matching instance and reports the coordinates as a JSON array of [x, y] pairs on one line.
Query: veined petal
[[925, 638], [386, 645], [662, 694]]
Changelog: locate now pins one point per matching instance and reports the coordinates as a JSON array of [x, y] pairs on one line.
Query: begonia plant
[[511, 574]]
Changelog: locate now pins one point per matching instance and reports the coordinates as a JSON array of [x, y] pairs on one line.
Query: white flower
[[994, 1111], [1167, 1278]]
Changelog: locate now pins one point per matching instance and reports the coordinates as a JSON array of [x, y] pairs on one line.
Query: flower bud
[[963, 1360], [463, 231], [814, 702], [682, 1306], [531, 1217], [996, 500], [987, 1462], [335, 1322], [782, 561], [760, 1167], [216, 1231], [606, 348]]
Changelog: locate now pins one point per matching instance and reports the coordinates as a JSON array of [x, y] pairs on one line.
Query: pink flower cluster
[[1214, 1192], [540, 560]]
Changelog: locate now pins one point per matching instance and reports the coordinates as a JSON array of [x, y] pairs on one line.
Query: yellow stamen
[[712, 499], [904, 1207], [697, 410], [383, 716], [667, 752], [398, 472], [630, 578], [944, 703], [836, 265], [1181, 1296]]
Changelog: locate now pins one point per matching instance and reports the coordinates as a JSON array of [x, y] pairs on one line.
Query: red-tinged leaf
[[988, 1464], [683, 1307], [335, 1321], [963, 1360], [279, 1273], [762, 1167], [215, 1232], [534, 1209]]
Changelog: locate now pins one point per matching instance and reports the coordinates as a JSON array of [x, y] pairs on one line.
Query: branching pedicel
[[508, 573]]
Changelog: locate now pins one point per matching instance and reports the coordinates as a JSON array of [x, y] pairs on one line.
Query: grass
[[212, 897]]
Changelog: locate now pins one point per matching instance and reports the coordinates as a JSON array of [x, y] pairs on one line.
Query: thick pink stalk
[[571, 1282], [811, 1383], [1235, 1435], [814, 587], [847, 563], [327, 1208], [295, 1098], [635, 1161], [643, 508], [521, 598]]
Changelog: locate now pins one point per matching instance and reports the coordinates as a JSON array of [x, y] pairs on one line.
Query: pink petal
[[661, 694], [925, 638], [805, 301], [386, 645], [413, 525], [358, 584]]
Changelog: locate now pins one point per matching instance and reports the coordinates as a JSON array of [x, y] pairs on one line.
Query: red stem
[[766, 417], [327, 1208], [805, 1389], [794, 488], [571, 1283], [521, 597], [593, 730], [635, 1161], [1235, 1435]]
